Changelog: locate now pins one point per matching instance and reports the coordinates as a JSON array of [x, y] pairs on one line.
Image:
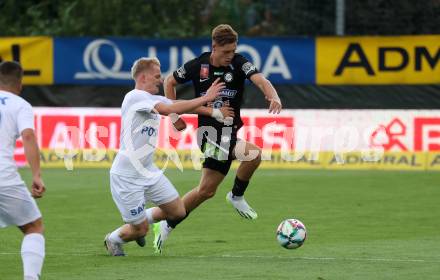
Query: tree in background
[[192, 19]]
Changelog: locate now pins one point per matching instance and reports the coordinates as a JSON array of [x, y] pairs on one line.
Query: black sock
[[239, 187], [174, 223]]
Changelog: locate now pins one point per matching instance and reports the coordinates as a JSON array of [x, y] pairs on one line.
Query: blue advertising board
[[90, 60]]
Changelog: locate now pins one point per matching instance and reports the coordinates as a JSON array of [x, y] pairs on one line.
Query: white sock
[[32, 254], [166, 227], [115, 238], [149, 213]]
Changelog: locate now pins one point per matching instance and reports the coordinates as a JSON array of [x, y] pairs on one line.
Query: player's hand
[[224, 115], [228, 115], [275, 105], [214, 90], [179, 124], [227, 111], [38, 187]]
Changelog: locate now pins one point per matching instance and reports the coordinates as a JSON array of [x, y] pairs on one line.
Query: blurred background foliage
[[192, 19]]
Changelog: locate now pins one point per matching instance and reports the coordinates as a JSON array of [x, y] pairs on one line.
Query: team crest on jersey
[[248, 67], [228, 77], [218, 103], [204, 72]]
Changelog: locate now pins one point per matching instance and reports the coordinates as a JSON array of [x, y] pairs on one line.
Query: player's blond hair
[[143, 64], [11, 73], [223, 34]]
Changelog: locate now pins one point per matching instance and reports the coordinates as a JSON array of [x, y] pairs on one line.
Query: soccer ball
[[291, 234]]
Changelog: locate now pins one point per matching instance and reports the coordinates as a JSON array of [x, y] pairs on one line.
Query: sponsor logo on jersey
[[228, 77], [217, 73], [229, 93], [148, 130], [204, 72]]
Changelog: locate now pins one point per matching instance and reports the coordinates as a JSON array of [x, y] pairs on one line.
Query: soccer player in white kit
[[17, 207], [134, 179]]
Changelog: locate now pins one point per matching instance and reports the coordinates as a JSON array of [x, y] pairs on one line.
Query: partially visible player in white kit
[[17, 207], [134, 179]]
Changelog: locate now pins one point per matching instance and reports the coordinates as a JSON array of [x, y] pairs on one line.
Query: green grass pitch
[[361, 225]]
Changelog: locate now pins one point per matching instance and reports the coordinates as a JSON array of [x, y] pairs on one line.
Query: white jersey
[[138, 141], [15, 116]]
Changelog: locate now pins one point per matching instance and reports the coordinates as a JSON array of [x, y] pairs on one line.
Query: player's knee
[[182, 213], [178, 214], [143, 232], [256, 160], [140, 229], [33, 227], [206, 191]]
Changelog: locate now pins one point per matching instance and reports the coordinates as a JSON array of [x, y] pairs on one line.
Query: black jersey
[[203, 74]]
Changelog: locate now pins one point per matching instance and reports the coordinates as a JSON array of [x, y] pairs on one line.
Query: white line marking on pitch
[[249, 257]]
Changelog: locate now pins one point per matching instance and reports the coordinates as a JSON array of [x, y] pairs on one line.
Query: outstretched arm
[[269, 92], [170, 84], [186, 106]]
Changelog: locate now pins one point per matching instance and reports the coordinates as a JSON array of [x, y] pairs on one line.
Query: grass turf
[[361, 225]]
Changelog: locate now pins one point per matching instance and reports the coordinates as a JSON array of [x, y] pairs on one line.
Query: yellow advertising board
[[388, 161], [433, 161], [187, 159], [35, 55], [378, 60], [298, 160]]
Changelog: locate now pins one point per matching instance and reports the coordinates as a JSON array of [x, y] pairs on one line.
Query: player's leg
[[213, 173], [215, 167], [17, 207], [170, 207], [129, 198], [250, 157], [115, 240], [33, 249], [206, 189], [173, 211], [130, 232]]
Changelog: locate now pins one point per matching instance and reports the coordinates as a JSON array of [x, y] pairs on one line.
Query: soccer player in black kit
[[219, 122]]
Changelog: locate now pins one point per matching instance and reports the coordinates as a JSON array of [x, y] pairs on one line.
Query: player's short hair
[[143, 64], [223, 34], [11, 73]]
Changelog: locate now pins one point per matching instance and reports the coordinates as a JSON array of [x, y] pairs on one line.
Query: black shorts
[[218, 153]]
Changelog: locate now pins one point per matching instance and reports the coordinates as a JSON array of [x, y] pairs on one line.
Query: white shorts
[[17, 207], [130, 196]]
